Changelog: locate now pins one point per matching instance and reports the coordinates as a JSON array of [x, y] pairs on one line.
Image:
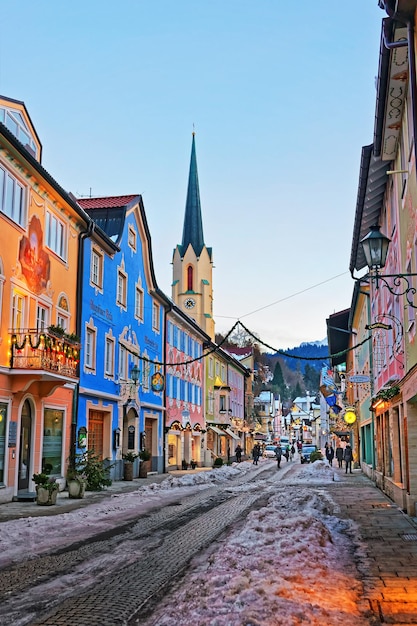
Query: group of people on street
[[288, 452], [342, 454]]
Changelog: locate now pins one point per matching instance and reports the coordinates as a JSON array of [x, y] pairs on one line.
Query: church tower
[[192, 261]]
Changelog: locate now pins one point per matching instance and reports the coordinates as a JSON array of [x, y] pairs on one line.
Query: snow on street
[[290, 562]]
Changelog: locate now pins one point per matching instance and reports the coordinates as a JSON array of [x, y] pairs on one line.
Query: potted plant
[[184, 464], [129, 459], [46, 489], [95, 471], [145, 466], [76, 483]]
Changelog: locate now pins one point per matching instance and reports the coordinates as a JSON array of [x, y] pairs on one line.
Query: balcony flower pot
[[46, 489], [145, 465], [129, 459]]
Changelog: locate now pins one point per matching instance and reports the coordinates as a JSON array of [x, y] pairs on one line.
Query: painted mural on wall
[[33, 259]]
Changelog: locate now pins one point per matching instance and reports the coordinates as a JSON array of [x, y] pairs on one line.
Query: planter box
[[46, 496], [76, 488], [127, 471], [144, 468]]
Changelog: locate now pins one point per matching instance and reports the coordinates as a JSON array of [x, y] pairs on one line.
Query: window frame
[[121, 293], [21, 210], [56, 234], [90, 348], [96, 277], [139, 303], [109, 354], [156, 309]]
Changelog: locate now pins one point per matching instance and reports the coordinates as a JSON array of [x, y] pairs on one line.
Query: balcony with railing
[[45, 350]]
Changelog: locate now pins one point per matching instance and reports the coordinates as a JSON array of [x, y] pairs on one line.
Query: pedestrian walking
[[348, 456], [228, 454], [292, 452], [256, 452], [287, 453], [339, 455], [278, 454], [238, 452], [330, 454]]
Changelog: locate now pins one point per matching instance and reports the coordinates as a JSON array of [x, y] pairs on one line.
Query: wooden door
[[95, 432]]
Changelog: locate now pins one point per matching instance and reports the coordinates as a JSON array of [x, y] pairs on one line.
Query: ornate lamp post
[[375, 247]]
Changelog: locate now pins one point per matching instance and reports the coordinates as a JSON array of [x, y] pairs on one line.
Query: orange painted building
[[40, 230]]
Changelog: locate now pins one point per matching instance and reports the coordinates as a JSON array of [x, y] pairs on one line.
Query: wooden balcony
[[43, 350]]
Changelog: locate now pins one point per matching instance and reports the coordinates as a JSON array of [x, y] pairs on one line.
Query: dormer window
[[15, 122]]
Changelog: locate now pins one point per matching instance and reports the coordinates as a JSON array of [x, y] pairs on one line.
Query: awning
[[218, 431], [232, 434], [260, 437]]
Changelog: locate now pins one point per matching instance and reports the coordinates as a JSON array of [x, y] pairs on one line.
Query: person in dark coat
[[238, 452], [278, 454], [287, 453], [348, 456], [339, 455], [330, 454], [256, 452]]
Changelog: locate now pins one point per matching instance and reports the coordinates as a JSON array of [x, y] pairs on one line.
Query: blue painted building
[[121, 395]]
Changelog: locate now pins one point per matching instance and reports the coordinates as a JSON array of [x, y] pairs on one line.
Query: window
[[146, 373], [121, 289], [12, 198], [171, 333], [56, 235], [222, 405], [62, 320], [15, 122], [96, 269], [18, 311], [190, 278], [52, 442], [211, 370], [132, 238], [123, 363], [41, 317], [155, 316], [139, 303], [90, 348], [109, 357]]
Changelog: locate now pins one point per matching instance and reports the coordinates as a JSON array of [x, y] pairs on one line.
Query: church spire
[[193, 223]]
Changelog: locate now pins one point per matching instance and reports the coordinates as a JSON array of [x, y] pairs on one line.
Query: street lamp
[[128, 388], [375, 247]]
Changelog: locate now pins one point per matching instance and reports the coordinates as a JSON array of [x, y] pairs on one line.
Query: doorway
[[24, 449]]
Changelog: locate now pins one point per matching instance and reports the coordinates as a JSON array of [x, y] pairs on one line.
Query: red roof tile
[[104, 203]]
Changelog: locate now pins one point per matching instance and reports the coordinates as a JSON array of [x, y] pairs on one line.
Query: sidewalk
[[17, 510], [387, 559]]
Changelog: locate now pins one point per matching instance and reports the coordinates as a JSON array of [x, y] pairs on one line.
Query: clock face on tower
[[189, 303]]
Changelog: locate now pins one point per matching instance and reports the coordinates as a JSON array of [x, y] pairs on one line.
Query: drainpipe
[[80, 264]]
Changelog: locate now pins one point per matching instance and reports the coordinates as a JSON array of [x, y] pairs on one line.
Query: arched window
[[190, 278]]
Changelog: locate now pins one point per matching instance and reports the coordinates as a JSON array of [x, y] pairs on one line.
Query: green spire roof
[[193, 223]]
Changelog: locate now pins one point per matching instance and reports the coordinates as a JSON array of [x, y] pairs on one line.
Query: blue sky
[[282, 98]]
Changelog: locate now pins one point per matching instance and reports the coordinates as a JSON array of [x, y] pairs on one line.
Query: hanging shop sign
[[359, 378], [157, 382]]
